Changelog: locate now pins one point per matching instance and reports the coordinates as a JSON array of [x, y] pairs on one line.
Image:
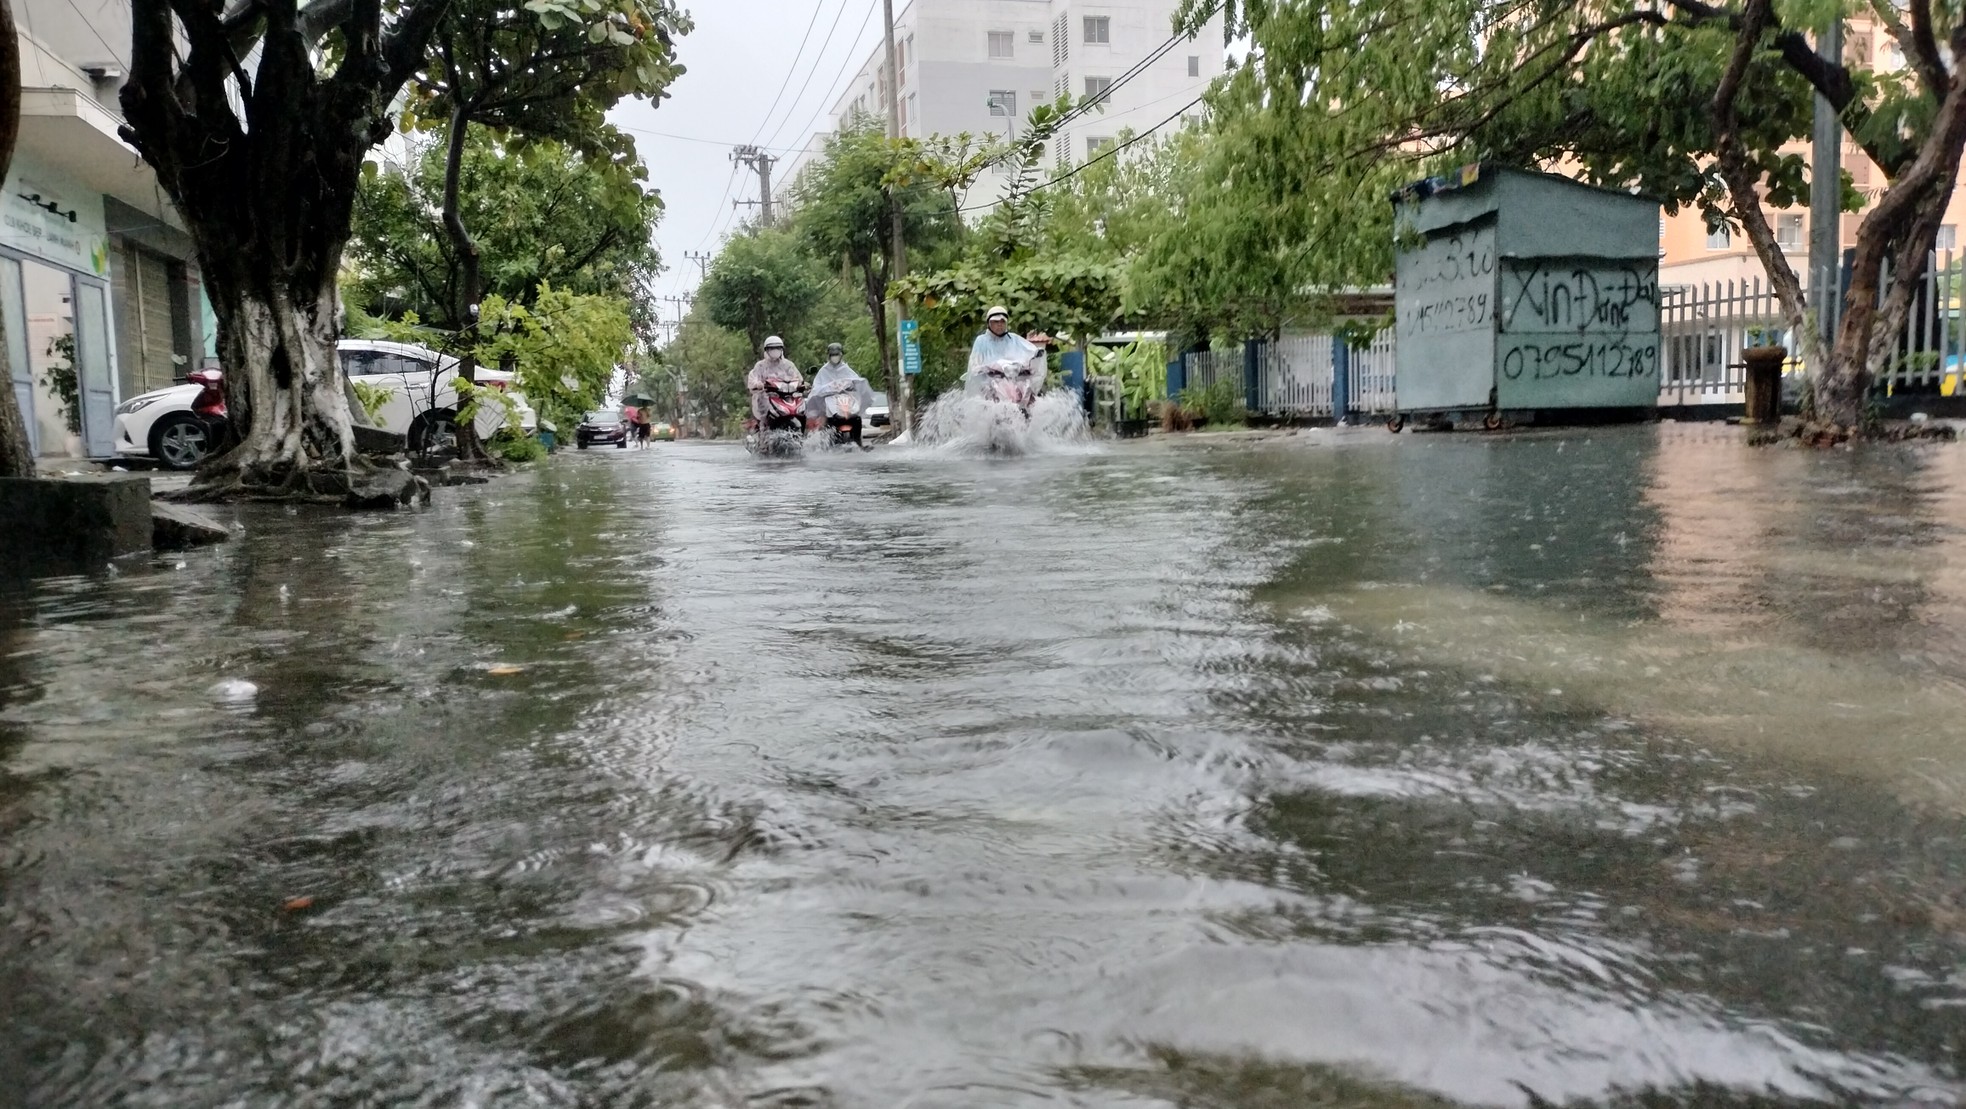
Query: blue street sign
[[911, 347]]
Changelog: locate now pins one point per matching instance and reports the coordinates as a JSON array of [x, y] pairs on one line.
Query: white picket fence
[[1703, 330]]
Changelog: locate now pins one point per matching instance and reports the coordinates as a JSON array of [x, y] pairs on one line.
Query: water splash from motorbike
[[972, 425]]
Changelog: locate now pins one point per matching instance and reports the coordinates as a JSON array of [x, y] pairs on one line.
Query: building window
[[1039, 96], [1099, 28], [1948, 237], [1037, 36], [1788, 232], [1095, 88], [914, 111], [1718, 239], [1194, 65], [1003, 102], [1001, 44], [1096, 145], [1061, 47]]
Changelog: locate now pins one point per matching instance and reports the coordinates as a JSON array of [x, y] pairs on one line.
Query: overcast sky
[[738, 56]]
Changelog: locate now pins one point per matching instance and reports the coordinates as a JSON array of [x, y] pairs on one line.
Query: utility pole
[[757, 159], [1826, 198], [899, 268], [682, 304], [702, 259]]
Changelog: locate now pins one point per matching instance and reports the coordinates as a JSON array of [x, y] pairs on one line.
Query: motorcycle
[[1010, 381], [209, 407], [840, 411], [781, 433]]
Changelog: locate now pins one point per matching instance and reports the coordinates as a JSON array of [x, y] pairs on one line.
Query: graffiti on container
[[1602, 297], [1448, 285], [1539, 358]]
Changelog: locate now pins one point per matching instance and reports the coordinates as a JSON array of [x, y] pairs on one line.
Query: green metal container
[[1524, 293]]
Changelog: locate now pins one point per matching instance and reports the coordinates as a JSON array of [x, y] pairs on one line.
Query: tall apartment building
[[979, 67], [98, 281]]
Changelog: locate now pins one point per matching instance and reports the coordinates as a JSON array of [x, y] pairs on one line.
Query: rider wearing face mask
[[774, 366], [998, 343], [836, 376]]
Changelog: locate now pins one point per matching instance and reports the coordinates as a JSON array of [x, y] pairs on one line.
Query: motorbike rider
[[836, 376], [997, 343], [773, 367]]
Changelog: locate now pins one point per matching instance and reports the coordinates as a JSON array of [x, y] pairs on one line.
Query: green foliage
[[549, 71], [564, 349], [761, 284], [839, 316], [1220, 403], [513, 447], [711, 362], [371, 397], [60, 378], [1140, 369], [540, 214]]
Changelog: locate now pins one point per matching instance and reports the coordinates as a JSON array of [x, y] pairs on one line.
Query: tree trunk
[[16, 460], [876, 290], [263, 167], [470, 278]]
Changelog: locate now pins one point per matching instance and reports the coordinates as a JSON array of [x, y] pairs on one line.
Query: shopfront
[[54, 292]]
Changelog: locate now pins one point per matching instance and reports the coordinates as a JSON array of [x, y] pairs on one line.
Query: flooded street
[[1619, 767]]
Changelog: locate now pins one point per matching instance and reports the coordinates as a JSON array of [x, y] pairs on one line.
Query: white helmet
[[774, 341], [996, 311]]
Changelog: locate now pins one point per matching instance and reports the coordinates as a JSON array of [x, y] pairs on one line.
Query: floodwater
[[1617, 767]]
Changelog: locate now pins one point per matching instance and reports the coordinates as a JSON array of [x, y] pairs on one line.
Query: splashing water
[[960, 424]]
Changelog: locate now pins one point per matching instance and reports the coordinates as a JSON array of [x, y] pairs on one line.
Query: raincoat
[[990, 348], [767, 370], [832, 378]]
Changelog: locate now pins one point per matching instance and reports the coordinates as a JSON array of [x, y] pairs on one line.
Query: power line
[[817, 6], [818, 56], [706, 142], [1100, 157], [850, 77], [1133, 71]]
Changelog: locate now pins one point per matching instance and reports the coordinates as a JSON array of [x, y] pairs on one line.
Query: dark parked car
[[605, 426]]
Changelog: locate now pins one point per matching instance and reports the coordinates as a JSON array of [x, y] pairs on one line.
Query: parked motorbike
[[209, 407], [782, 431]]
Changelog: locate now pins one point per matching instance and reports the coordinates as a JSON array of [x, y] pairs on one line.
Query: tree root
[[1795, 432], [362, 484]]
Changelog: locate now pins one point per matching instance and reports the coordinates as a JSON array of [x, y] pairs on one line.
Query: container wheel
[[1492, 421], [1394, 422]]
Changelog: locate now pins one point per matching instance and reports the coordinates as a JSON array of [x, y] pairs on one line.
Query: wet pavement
[[1622, 767]]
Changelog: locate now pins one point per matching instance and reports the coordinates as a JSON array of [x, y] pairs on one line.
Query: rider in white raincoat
[[836, 377]]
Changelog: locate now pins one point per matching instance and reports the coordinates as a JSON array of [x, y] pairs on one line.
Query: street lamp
[[1009, 110]]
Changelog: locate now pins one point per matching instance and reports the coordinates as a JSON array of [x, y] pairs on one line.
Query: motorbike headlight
[[135, 404]]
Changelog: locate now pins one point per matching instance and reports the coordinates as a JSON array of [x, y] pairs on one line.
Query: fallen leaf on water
[[296, 904], [504, 671], [575, 635]]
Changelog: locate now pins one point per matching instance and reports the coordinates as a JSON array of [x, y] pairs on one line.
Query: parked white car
[[160, 425], [423, 390], [423, 400]]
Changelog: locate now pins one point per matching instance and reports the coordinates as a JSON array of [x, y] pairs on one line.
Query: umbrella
[[639, 400]]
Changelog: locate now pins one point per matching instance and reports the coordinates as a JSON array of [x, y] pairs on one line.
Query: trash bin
[[1764, 384], [548, 436], [1525, 295]]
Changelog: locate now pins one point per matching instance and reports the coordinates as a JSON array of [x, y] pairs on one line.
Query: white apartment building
[[98, 281], [979, 66]]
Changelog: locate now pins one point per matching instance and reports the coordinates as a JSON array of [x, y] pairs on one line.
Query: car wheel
[[432, 430], [580, 444], [621, 443], [180, 441]]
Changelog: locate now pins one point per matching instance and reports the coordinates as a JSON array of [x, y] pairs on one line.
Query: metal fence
[[1294, 377], [1703, 330], [1205, 368]]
